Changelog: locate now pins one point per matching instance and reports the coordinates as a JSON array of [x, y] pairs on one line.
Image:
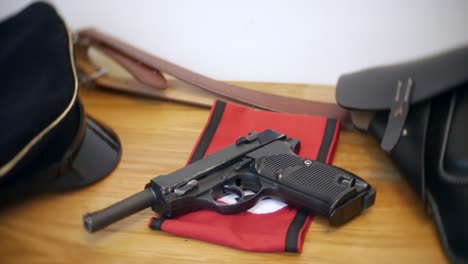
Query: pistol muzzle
[[135, 203]]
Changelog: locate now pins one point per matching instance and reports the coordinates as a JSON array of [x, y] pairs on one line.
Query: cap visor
[[97, 156]]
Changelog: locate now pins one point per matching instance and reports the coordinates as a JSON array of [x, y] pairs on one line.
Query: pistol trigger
[[234, 189]]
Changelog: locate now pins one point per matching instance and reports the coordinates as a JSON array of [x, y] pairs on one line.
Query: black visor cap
[[47, 143]]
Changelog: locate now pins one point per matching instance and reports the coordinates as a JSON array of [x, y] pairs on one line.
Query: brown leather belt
[[147, 70]]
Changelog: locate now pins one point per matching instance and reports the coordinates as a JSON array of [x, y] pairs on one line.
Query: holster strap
[[148, 69]]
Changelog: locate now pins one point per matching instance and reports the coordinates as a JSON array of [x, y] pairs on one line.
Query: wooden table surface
[[157, 138]]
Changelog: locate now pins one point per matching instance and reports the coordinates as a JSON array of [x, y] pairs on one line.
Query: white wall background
[[276, 41]]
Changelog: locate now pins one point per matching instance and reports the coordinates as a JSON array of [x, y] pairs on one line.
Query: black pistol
[[264, 163]]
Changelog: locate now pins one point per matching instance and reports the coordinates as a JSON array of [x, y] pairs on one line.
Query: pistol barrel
[[135, 203]]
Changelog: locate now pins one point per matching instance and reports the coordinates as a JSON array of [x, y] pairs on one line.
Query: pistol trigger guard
[[242, 205]]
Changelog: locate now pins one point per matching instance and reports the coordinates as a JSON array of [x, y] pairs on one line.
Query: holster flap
[[378, 88]]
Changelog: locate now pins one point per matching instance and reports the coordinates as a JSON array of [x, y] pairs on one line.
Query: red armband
[[270, 226]]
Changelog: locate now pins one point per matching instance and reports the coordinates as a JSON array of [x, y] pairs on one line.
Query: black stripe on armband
[[327, 141], [209, 132], [292, 237]]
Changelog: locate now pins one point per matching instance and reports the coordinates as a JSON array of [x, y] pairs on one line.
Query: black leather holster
[[419, 112]]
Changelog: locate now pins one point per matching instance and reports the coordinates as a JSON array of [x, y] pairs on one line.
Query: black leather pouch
[[419, 112]]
